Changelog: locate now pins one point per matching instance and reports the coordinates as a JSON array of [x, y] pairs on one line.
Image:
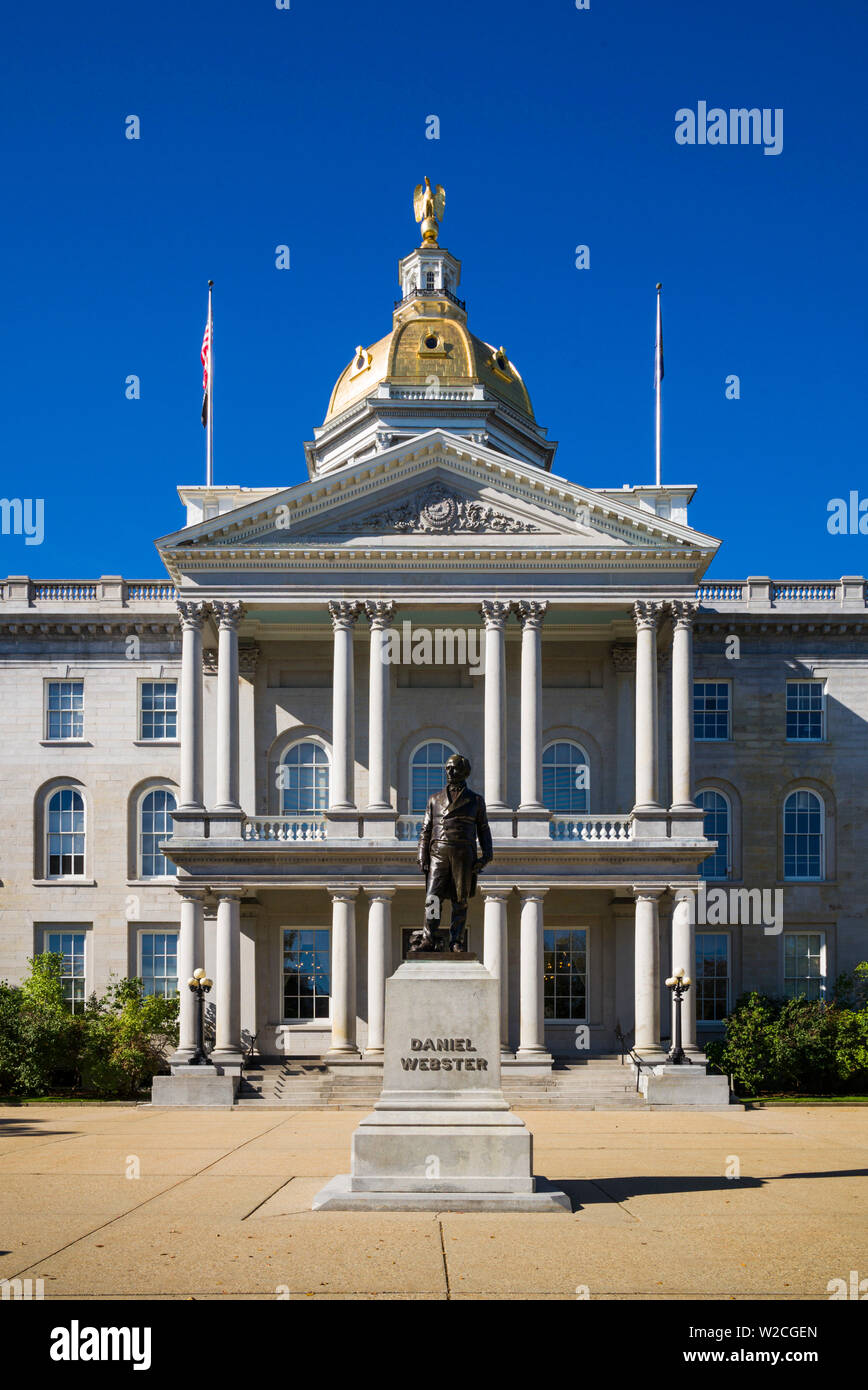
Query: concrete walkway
[[126, 1202]]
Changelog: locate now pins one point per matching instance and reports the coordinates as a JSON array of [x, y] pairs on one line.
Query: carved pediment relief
[[435, 509]]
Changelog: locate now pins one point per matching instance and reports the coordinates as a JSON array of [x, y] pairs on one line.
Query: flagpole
[[658, 381], [209, 443]]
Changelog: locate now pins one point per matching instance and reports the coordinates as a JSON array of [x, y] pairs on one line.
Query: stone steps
[[596, 1084]]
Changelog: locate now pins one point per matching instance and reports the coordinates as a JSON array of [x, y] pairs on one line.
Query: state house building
[[228, 766]]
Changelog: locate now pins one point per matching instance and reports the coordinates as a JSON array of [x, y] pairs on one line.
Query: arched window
[[565, 778], [65, 834], [804, 854], [716, 826], [428, 773], [155, 825], [303, 779]]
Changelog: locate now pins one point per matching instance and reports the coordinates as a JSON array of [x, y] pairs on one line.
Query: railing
[[717, 593], [409, 827], [64, 592], [424, 393], [20, 589], [820, 592], [760, 591], [430, 294], [283, 828], [591, 828]]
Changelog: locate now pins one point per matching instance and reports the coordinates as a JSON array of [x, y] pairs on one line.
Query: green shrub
[[800, 1045], [126, 1037], [114, 1047]]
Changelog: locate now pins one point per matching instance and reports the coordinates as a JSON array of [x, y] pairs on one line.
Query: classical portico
[[434, 586]]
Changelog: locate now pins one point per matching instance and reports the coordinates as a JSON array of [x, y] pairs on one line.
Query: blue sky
[[261, 127]]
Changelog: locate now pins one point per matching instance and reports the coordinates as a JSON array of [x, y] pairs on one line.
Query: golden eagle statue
[[429, 205]]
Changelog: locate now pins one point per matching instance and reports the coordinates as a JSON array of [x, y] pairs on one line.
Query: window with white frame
[[804, 964], [70, 945], [306, 973], [711, 711], [155, 826], [64, 709], [158, 710], [712, 976], [565, 973], [716, 826], [158, 963], [806, 711], [303, 780], [804, 848], [565, 778], [65, 833], [428, 773]]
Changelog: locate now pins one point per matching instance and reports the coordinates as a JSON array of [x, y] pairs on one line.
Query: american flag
[[206, 370]]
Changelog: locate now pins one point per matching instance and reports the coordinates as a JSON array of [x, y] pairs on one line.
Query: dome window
[[360, 363], [499, 362], [431, 341]]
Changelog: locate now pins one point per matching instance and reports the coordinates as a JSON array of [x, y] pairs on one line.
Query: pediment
[[439, 489]]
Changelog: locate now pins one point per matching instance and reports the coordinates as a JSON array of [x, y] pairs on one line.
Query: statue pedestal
[[441, 1136]]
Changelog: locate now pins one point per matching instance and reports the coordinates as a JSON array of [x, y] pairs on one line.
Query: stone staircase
[[598, 1083]]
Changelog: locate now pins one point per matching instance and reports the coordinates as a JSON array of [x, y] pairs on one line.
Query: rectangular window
[[159, 967], [711, 711], [712, 976], [565, 974], [70, 945], [306, 973], [806, 708], [158, 709], [804, 965], [64, 709]]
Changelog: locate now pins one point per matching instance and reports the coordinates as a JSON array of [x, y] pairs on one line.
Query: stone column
[[342, 804], [532, 1043], [190, 957], [647, 970], [495, 955], [682, 709], [379, 816], [248, 658], [647, 806], [533, 817], [495, 614], [379, 962], [227, 807], [624, 659], [343, 1043], [191, 789], [684, 957], [227, 977]]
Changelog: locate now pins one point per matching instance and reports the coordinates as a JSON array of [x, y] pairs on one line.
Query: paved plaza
[[105, 1202]]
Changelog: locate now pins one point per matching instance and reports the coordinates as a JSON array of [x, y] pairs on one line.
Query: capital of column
[[248, 659], [531, 613], [380, 613], [491, 891], [342, 894], [624, 658], [380, 894], [683, 612], [532, 895], [343, 613], [192, 614], [495, 613], [228, 613], [647, 614], [191, 895], [683, 895], [647, 894], [228, 895]]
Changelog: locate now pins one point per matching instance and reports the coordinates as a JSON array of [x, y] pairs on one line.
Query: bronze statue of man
[[455, 819]]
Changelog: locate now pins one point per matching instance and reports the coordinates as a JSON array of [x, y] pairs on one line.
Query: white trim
[[47, 682], [571, 743], [713, 931], [155, 929], [137, 821], [807, 680], [46, 807], [323, 1021], [824, 958], [801, 878], [569, 1022], [718, 791]]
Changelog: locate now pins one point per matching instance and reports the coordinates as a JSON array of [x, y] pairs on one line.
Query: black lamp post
[[679, 983], [200, 985]]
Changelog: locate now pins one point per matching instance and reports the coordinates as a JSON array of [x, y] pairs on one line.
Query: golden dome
[[419, 348]]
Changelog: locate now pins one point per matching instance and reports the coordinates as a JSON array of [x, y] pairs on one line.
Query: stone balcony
[[759, 593]]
